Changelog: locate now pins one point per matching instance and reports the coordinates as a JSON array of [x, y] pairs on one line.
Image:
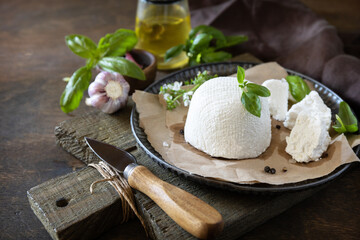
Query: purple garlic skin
[[108, 92]]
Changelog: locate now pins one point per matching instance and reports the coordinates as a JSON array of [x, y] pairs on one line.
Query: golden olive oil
[[158, 33]]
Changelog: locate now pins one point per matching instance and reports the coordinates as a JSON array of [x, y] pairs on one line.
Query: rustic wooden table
[[34, 59]]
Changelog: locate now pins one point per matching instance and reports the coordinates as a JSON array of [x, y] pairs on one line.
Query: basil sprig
[[204, 45], [73, 93], [117, 43], [120, 65], [251, 93], [107, 54], [345, 120], [298, 87], [81, 45], [173, 94]]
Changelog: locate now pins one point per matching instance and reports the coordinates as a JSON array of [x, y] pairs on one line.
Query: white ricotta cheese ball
[[219, 125], [309, 138], [278, 100], [314, 105]]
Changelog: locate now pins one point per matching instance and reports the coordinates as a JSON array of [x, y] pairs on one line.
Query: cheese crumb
[[219, 125], [309, 138], [314, 105], [278, 100]]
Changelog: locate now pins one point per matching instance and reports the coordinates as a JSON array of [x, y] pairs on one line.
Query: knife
[[189, 212]]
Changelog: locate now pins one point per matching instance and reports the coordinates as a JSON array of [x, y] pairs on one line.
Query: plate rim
[[258, 188]]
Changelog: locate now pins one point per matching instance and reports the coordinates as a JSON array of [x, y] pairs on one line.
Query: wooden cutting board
[[68, 211]]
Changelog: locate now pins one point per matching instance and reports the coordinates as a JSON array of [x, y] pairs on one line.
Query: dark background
[[34, 59]]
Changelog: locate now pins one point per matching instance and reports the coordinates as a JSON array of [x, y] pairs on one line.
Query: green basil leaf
[[345, 119], [117, 43], [251, 103], [122, 66], [258, 90], [235, 40], [81, 45], [196, 30], [188, 45], [215, 56], [240, 75], [173, 52], [346, 114], [91, 62], [74, 90], [298, 87], [215, 33], [339, 126], [200, 42], [352, 128]]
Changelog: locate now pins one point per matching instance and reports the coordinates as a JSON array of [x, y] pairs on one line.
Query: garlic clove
[[109, 92], [103, 78], [99, 100], [96, 87], [112, 106]]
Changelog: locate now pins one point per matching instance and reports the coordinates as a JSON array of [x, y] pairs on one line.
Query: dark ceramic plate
[[330, 99]]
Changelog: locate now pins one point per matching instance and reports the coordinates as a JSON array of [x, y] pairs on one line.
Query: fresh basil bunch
[[251, 93], [107, 54], [204, 44]]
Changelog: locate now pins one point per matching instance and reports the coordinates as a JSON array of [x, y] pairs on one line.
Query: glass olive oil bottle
[[161, 25]]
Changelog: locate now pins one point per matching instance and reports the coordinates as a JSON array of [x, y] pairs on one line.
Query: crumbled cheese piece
[[309, 138], [314, 105], [219, 125], [278, 100], [165, 144]]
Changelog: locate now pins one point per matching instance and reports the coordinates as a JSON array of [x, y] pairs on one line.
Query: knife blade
[[189, 212]]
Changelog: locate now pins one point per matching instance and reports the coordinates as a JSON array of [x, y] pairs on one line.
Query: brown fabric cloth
[[291, 34]]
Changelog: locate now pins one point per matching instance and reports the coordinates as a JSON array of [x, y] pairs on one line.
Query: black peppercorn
[[278, 126], [182, 131], [272, 170], [267, 169]]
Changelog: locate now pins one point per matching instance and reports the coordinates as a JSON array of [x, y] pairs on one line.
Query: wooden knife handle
[[192, 214]]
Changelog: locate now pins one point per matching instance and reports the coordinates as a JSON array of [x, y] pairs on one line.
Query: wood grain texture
[[114, 129], [81, 216], [240, 213]]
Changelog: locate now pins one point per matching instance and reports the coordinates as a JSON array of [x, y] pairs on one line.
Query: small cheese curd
[[314, 105], [309, 138], [278, 100], [219, 125]]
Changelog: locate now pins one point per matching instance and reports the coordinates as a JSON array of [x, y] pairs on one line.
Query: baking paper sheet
[[163, 130]]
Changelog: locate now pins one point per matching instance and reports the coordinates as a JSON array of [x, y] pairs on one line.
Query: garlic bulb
[[108, 92]]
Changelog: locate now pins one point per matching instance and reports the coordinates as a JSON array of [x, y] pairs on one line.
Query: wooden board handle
[[192, 214]]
